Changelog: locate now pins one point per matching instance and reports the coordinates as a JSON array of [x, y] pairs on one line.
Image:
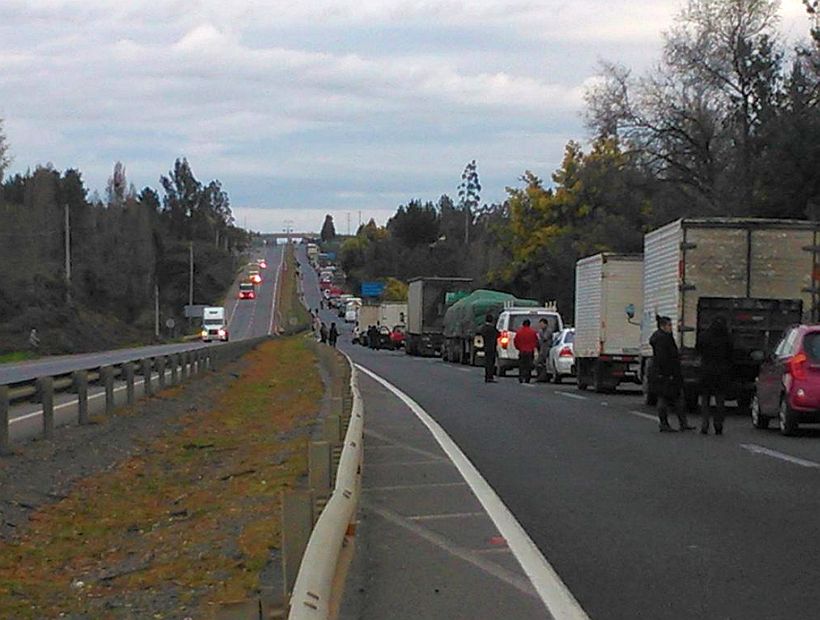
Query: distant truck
[[427, 300], [463, 320], [214, 326], [760, 275], [392, 313], [608, 295]]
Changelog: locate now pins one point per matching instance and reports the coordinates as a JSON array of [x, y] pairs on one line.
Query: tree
[[469, 194], [116, 190], [182, 196], [328, 232], [414, 224], [4, 151]]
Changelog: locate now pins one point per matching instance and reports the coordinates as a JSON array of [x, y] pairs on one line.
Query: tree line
[[726, 124], [124, 249]]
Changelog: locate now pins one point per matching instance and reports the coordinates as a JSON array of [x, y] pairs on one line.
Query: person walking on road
[[526, 341], [715, 350], [666, 379], [333, 336], [545, 335], [323, 334], [489, 334]]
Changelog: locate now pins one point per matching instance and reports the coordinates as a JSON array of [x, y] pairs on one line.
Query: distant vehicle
[[788, 386], [561, 360], [254, 276], [214, 326], [385, 340], [608, 295], [759, 275], [351, 313], [247, 290], [263, 264], [426, 305], [397, 336], [509, 322]]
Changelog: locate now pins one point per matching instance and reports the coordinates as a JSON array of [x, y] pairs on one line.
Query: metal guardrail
[[319, 582], [181, 365]]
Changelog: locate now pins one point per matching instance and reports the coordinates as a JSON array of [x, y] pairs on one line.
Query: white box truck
[[214, 326], [608, 295], [392, 313], [759, 275]]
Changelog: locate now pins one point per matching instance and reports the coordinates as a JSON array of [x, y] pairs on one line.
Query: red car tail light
[[797, 366], [504, 339], [565, 352]]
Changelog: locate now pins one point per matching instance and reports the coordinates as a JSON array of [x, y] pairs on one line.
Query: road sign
[[372, 289], [194, 312], [170, 323]]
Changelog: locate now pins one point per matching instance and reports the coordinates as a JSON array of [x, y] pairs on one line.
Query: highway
[[247, 319], [636, 523]]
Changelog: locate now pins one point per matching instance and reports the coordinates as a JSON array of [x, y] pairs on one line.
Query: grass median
[[189, 520]]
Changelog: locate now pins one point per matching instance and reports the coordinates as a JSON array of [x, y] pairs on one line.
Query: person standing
[[34, 340], [333, 336], [545, 335], [323, 334], [489, 334], [526, 341], [714, 347], [666, 379]]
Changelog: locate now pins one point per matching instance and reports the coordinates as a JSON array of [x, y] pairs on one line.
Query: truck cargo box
[[426, 305]]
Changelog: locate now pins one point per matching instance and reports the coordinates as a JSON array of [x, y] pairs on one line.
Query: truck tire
[[599, 382], [787, 417], [583, 377]]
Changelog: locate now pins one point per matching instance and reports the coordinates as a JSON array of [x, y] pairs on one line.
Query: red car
[[788, 386], [397, 336], [247, 290]]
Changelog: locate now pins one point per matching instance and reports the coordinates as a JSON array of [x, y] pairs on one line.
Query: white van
[[213, 324], [509, 321]]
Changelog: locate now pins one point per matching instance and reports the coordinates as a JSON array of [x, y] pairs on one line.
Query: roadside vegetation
[[189, 520], [726, 124], [125, 248], [292, 313]]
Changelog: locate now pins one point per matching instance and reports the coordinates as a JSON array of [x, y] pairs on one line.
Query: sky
[[306, 108]]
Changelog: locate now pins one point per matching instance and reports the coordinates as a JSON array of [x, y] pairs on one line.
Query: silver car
[[561, 362]]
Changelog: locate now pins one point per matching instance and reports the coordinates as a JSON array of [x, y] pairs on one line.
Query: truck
[[608, 295], [760, 275], [214, 326], [313, 253], [392, 313], [463, 320], [427, 300]]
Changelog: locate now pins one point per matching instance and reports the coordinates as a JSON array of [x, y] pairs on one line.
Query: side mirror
[[630, 311], [758, 356]]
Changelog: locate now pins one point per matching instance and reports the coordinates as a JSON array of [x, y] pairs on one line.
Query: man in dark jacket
[[526, 341], [545, 336], [489, 334], [714, 347], [666, 379]]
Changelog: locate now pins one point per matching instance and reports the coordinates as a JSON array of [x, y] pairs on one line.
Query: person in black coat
[[666, 379], [714, 347], [489, 334], [333, 335]]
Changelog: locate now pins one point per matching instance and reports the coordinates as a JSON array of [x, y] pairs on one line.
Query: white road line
[[551, 590], [410, 487], [571, 395], [405, 463], [643, 414], [448, 515], [464, 370], [779, 455]]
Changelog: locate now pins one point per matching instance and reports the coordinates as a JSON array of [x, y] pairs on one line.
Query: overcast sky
[[313, 107]]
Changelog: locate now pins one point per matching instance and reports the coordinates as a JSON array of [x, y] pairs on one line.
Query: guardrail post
[[4, 420], [107, 378], [128, 373], [194, 363], [147, 390], [160, 364], [173, 359], [297, 523], [319, 468], [45, 392], [81, 386]]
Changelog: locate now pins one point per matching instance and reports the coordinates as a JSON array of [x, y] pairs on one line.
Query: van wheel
[[788, 419], [758, 419]]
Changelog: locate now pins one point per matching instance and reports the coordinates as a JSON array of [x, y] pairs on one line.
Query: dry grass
[[188, 521]]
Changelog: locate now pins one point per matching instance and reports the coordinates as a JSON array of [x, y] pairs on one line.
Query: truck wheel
[[788, 419], [598, 378], [758, 419]]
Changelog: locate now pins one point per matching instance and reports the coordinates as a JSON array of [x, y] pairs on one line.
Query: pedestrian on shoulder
[[545, 335], [34, 340], [714, 347], [526, 341], [333, 336], [489, 334], [666, 379], [323, 333]]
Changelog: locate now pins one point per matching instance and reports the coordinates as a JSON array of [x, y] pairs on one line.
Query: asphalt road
[[637, 524], [248, 319]]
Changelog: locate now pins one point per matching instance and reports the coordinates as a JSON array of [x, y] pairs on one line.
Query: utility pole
[[156, 309], [360, 219], [191, 273], [348, 223], [67, 255]]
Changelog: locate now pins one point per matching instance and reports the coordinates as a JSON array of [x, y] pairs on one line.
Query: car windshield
[[246, 287], [569, 337], [811, 345], [517, 320]]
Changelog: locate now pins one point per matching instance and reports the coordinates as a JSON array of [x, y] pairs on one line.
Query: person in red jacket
[[526, 341]]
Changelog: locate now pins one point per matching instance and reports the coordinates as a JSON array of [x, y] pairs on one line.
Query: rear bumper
[[565, 366]]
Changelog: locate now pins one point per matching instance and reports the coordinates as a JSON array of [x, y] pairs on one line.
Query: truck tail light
[[504, 339], [222, 333], [797, 366], [565, 352]]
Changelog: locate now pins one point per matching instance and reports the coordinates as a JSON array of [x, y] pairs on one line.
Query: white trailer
[[608, 295], [214, 326], [392, 313], [761, 272]]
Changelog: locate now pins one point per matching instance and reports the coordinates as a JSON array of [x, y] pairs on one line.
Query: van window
[[811, 345], [517, 320], [569, 337]]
